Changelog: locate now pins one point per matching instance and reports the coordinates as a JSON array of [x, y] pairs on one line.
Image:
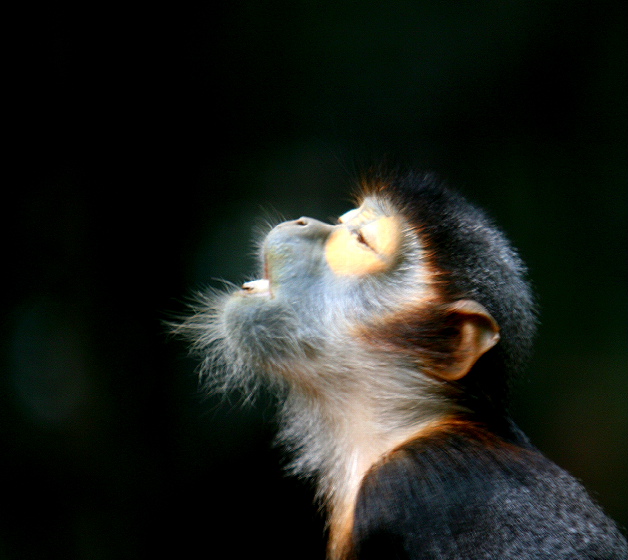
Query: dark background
[[144, 144]]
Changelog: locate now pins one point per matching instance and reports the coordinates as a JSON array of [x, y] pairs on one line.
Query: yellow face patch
[[367, 241]]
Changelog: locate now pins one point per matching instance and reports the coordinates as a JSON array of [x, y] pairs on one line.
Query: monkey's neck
[[338, 438], [360, 444]]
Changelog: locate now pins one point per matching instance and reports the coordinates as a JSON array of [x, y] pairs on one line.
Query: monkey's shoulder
[[463, 492]]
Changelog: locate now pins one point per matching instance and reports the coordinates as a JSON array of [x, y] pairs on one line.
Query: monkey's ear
[[479, 332]]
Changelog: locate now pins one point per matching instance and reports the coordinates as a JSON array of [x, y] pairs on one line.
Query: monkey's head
[[412, 292]]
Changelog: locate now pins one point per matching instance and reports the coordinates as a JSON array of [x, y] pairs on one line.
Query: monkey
[[391, 339]]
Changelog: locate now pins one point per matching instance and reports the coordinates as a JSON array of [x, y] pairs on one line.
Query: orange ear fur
[[479, 332]]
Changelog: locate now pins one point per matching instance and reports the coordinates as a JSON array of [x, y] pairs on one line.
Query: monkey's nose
[[307, 227], [305, 221]]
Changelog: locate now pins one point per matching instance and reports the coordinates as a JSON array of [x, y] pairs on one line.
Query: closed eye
[[361, 239]]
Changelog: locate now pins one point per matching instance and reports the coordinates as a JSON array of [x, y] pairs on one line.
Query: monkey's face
[[320, 280], [300, 254], [337, 304]]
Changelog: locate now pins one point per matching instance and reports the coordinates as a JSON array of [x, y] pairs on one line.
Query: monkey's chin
[[257, 288]]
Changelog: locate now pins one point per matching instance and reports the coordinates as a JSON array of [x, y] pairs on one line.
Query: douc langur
[[391, 338]]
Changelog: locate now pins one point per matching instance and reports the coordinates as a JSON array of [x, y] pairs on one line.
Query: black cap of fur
[[474, 260]]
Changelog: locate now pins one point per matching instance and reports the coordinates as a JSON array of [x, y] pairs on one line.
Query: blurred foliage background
[[144, 144]]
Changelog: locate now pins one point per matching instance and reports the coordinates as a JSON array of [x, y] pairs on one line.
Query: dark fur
[[472, 259], [474, 488], [463, 493]]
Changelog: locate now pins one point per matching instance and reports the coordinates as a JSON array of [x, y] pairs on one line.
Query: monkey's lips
[[257, 288]]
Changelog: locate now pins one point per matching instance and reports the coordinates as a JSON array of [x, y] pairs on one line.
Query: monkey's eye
[[361, 239], [364, 244]]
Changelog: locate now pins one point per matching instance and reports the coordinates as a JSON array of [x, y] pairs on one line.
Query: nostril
[[305, 227]]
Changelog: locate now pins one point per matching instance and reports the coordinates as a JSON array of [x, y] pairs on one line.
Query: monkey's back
[[461, 492]]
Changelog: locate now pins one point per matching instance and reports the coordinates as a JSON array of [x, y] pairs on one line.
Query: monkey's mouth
[[257, 287], [260, 288]]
